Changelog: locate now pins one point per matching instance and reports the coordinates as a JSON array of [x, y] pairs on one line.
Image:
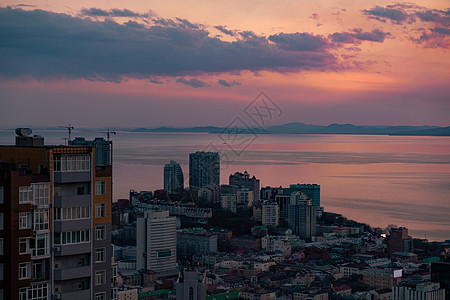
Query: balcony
[[72, 249], [72, 273], [71, 225], [75, 295], [68, 177], [70, 201]]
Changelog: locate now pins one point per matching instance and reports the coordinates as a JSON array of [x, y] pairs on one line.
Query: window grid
[[100, 210], [41, 193], [100, 232], [23, 245], [25, 194], [100, 187], [24, 220], [35, 292], [100, 255], [100, 296], [100, 277], [41, 245], [72, 213], [24, 270], [71, 163], [72, 237], [40, 221]]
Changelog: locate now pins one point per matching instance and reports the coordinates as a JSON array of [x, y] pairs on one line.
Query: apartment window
[[100, 277], [2, 195], [25, 194], [23, 294], [40, 219], [23, 245], [1, 246], [100, 255], [100, 296], [38, 270], [1, 221], [72, 213], [71, 163], [72, 237], [1, 273], [37, 292], [24, 270], [41, 245], [24, 220], [100, 233], [41, 193], [100, 187], [100, 210]]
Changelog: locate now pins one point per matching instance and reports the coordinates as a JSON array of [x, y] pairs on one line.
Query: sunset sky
[[185, 63]]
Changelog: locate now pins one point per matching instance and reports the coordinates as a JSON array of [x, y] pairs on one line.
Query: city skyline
[[190, 64]]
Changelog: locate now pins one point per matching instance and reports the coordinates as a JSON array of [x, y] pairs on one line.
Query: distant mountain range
[[301, 128], [288, 128]]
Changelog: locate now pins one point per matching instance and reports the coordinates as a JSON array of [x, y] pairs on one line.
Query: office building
[[204, 169], [421, 291], [156, 242], [173, 178], [399, 241], [243, 180], [56, 217], [302, 216]]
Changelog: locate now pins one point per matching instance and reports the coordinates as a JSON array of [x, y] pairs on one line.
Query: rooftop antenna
[[69, 128]]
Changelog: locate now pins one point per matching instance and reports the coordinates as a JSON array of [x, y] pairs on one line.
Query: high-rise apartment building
[[244, 180], [270, 214], [310, 190], [56, 217], [204, 169], [103, 149], [156, 242], [302, 216], [173, 178]]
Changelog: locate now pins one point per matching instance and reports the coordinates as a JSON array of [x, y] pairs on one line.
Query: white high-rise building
[[156, 242], [270, 214]]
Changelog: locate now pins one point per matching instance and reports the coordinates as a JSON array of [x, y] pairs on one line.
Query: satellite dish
[[23, 131]]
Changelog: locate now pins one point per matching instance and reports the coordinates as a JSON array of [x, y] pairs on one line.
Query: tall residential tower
[[173, 178], [55, 217]]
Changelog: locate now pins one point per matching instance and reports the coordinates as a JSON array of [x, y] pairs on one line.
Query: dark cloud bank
[[47, 45], [435, 34]]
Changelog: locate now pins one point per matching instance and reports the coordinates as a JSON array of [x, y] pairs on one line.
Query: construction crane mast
[[69, 128]]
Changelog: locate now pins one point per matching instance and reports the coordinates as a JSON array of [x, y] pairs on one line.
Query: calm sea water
[[379, 180]]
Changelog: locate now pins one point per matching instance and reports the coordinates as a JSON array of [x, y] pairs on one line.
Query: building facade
[[399, 241], [422, 291], [156, 242], [270, 214], [58, 212], [204, 169], [173, 178], [302, 216], [243, 180]]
